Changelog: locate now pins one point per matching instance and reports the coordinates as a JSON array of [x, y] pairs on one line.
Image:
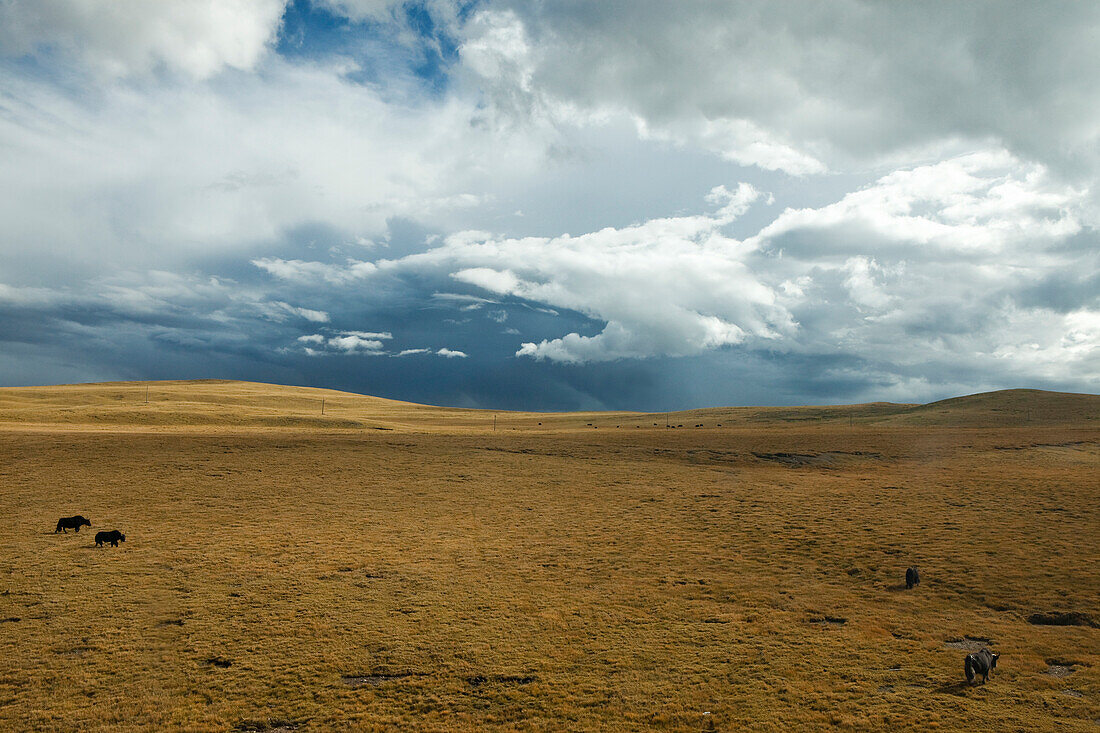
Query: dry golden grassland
[[394, 566]]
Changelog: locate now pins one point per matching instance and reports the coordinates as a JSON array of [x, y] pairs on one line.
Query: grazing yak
[[912, 577], [980, 663], [114, 537], [66, 523]]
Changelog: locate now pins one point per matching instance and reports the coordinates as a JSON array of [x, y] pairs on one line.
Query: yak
[[114, 537], [66, 523], [912, 577], [980, 663]]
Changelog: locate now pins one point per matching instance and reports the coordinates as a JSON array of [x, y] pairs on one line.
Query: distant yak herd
[[977, 663], [101, 538]]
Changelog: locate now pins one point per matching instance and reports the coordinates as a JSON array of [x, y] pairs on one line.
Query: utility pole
[[494, 422], [322, 405]]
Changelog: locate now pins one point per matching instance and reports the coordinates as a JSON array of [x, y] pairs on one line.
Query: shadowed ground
[[390, 565]]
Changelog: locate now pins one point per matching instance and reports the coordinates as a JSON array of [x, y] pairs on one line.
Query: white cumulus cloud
[[674, 286], [346, 342], [127, 37]]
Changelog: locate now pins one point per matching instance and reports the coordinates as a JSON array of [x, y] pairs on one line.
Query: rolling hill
[[235, 404]]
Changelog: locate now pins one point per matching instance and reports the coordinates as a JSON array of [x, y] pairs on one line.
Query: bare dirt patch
[[828, 621], [375, 679], [478, 680], [1062, 618], [969, 643], [267, 726], [809, 460], [1058, 667]]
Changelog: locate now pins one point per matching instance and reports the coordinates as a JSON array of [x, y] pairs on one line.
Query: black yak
[[66, 523], [114, 537], [912, 577], [980, 663]]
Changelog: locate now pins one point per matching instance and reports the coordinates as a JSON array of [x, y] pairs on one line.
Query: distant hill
[[1009, 407], [229, 404]]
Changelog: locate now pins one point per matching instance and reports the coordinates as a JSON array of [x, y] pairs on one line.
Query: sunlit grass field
[[393, 566]]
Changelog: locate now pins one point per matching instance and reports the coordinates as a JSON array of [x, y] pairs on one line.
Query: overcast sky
[[553, 205]]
